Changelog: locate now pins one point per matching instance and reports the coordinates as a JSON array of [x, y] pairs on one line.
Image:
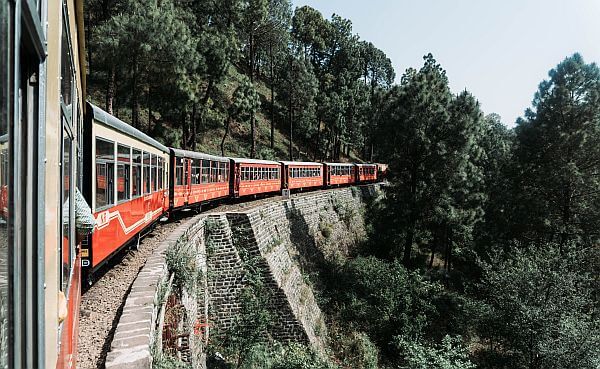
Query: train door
[[235, 178]]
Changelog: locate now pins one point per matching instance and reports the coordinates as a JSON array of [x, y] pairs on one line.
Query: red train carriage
[[339, 174], [366, 172], [252, 177], [125, 181], [197, 178], [299, 175]]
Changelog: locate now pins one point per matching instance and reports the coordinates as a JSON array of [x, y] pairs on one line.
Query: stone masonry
[[284, 234]]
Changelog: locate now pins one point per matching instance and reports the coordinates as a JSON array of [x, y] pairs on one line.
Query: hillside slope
[[237, 143]]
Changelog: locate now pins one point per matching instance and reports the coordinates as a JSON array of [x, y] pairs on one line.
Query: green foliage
[[174, 81], [384, 299], [291, 356], [558, 146], [431, 140], [168, 362], [181, 262], [450, 354], [540, 307]]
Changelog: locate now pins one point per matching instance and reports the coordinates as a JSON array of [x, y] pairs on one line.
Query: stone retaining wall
[[286, 235]]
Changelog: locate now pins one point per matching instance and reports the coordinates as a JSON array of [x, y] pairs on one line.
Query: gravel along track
[[102, 303]]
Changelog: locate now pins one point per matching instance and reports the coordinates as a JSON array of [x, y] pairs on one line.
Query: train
[[54, 143], [131, 180]]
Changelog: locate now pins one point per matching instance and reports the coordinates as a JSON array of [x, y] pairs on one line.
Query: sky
[[499, 50]]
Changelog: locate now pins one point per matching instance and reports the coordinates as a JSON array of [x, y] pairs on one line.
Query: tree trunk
[[184, 129], [194, 128], [410, 233], [408, 241], [134, 95], [227, 123], [272, 97], [252, 117], [291, 116], [110, 89]]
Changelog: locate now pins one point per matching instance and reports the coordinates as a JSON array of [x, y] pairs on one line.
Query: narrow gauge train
[[131, 180]]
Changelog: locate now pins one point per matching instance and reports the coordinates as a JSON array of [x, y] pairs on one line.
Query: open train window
[[136, 173], [123, 171]]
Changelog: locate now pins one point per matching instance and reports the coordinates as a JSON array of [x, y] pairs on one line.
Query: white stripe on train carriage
[[117, 214]]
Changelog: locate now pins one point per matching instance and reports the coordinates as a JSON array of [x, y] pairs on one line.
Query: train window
[[221, 172], [196, 169], [205, 171], [154, 171], [146, 171], [161, 172], [179, 172], [105, 161], [136, 173], [67, 206], [66, 75], [214, 170], [123, 171]]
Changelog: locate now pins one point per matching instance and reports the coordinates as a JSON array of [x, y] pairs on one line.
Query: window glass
[[66, 73], [67, 202], [105, 158], [205, 170], [161, 173], [123, 170], [147, 176], [153, 171], [196, 165], [136, 176], [179, 171]]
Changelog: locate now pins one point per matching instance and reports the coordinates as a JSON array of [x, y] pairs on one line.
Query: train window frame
[[104, 162], [153, 173], [67, 135], [178, 172], [160, 173], [146, 177], [127, 168], [136, 180]]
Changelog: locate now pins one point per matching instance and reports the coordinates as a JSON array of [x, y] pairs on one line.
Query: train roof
[[367, 165], [342, 164], [198, 155], [300, 163], [254, 161], [115, 123]]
